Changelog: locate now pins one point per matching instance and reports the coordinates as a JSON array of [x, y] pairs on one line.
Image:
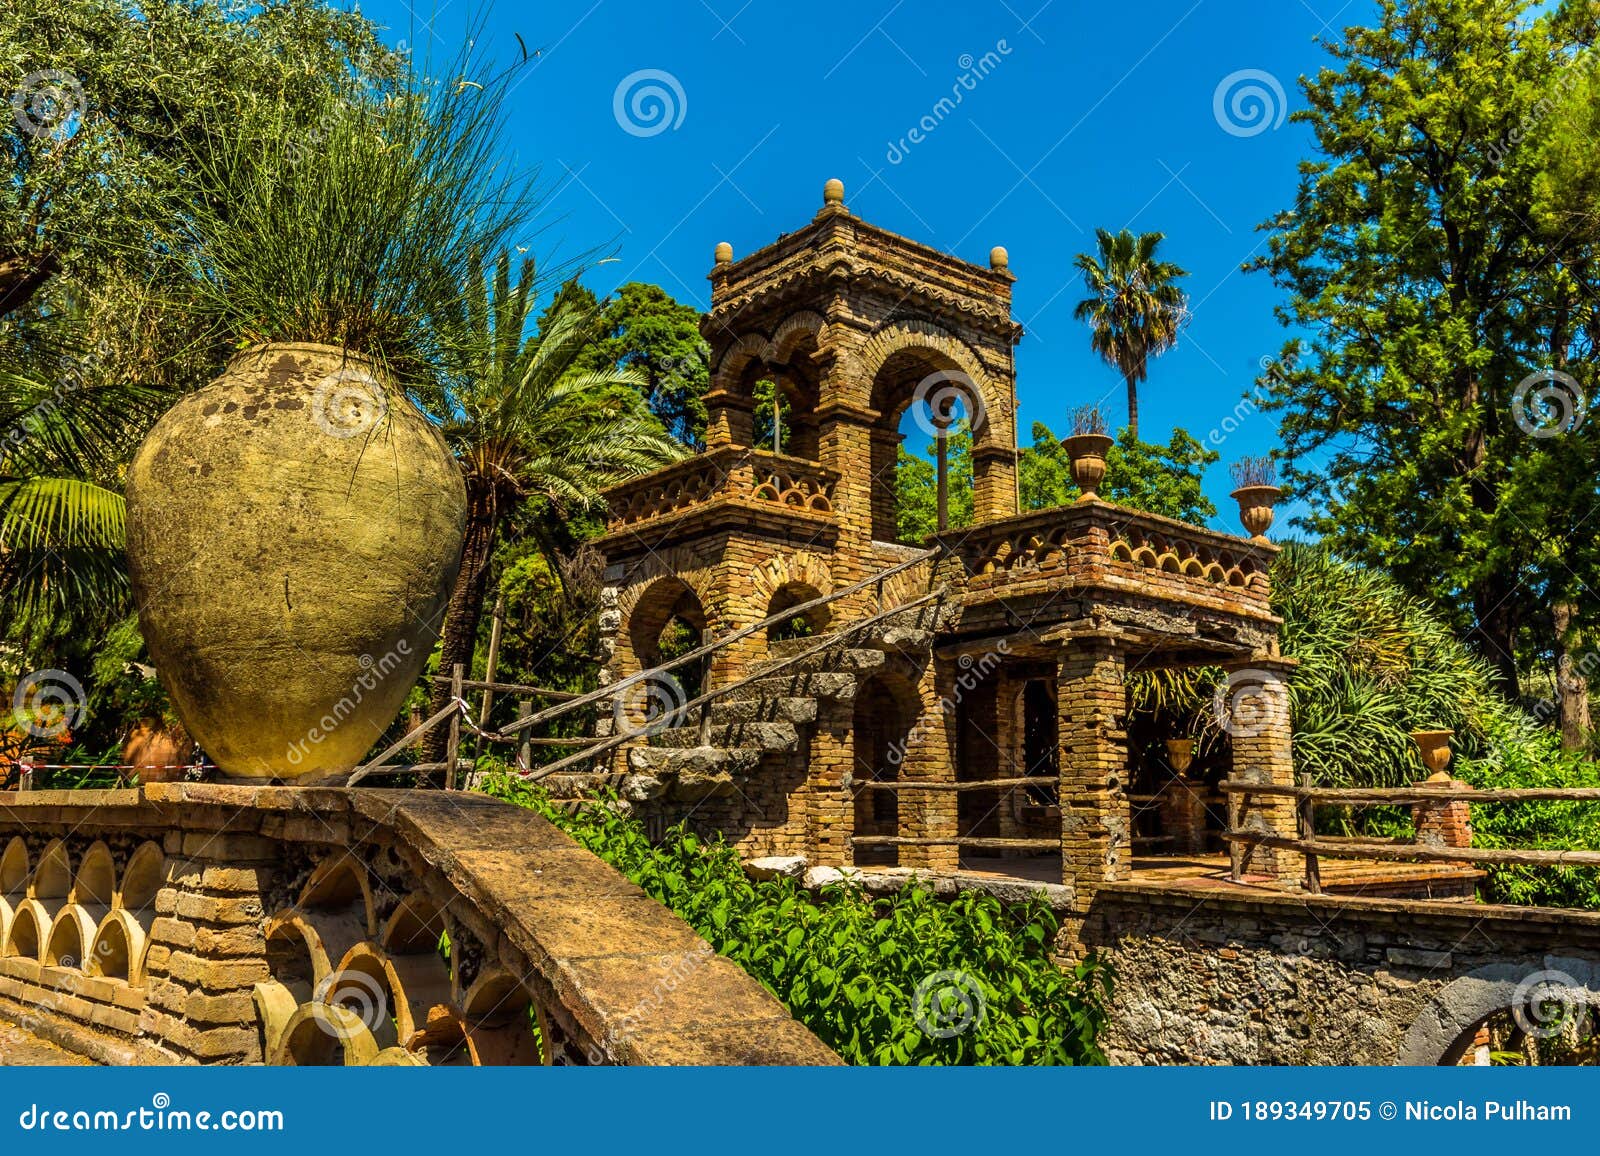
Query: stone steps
[[764, 708], [771, 737]]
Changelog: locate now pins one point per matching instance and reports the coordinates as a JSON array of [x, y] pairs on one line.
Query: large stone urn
[[294, 529]]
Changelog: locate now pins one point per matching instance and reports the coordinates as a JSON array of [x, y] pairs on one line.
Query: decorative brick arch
[[925, 336], [774, 350], [797, 569]]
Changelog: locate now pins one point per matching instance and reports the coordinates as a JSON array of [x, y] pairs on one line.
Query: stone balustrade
[[1096, 541], [756, 479], [184, 923]]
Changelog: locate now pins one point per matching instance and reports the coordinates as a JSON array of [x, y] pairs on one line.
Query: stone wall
[[1209, 978]]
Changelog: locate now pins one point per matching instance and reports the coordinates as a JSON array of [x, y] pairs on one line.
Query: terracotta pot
[[158, 753], [294, 529], [1435, 748], [1255, 509], [1087, 453]]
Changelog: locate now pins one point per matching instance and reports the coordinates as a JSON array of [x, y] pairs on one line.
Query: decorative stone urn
[[1087, 453], [294, 530], [1435, 748], [1180, 753], [1255, 509]]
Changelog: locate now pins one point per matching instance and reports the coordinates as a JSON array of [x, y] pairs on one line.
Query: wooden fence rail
[[1240, 838]]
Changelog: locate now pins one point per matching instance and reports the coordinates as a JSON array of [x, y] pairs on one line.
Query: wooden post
[[453, 748], [1235, 848], [525, 750], [1308, 832], [496, 623]]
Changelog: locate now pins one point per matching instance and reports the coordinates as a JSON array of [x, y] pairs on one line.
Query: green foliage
[[916, 483], [141, 87], [1431, 264], [356, 223], [849, 966], [1157, 479], [644, 329]]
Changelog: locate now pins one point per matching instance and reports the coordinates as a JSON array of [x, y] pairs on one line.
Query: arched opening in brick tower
[[930, 414], [803, 625], [886, 710], [667, 622], [783, 392]]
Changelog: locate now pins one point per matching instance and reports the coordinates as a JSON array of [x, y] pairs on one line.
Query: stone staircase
[[762, 725]]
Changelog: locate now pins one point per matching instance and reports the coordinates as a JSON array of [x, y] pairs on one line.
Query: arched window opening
[[922, 469], [807, 625], [885, 713]]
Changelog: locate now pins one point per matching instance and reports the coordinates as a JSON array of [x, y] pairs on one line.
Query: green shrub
[[850, 967]]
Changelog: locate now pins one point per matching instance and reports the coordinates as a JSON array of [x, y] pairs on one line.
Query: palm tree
[[1134, 307], [525, 423], [67, 423]]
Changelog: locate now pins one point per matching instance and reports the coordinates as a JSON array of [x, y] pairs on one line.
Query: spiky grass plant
[[360, 225], [1089, 419], [1248, 472]]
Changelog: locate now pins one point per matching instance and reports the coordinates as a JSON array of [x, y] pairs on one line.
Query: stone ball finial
[[999, 258], [723, 252], [833, 192]]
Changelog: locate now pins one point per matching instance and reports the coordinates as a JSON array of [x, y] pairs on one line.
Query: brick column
[[1258, 725], [994, 483], [729, 420], [829, 808], [1443, 824], [207, 950], [930, 758], [1095, 819]]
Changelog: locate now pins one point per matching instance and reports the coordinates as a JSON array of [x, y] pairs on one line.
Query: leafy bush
[[850, 967]]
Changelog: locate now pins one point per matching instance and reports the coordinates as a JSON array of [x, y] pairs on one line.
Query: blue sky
[[1084, 116]]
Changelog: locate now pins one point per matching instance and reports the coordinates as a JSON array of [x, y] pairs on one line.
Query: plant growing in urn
[[1256, 492], [295, 526], [1086, 449]]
